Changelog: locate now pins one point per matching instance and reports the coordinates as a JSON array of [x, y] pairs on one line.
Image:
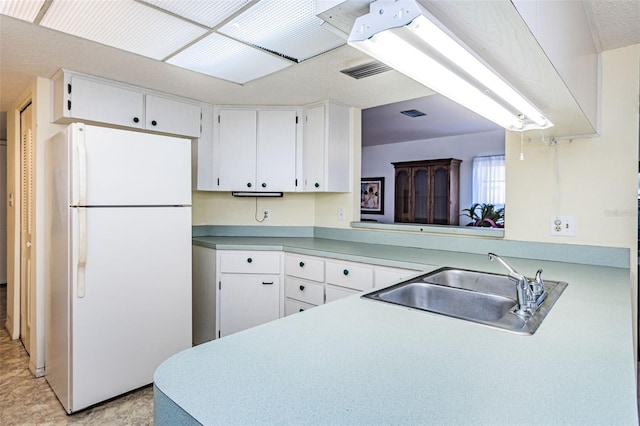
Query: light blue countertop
[[357, 361]]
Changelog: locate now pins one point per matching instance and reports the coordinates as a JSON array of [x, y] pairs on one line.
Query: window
[[489, 180]]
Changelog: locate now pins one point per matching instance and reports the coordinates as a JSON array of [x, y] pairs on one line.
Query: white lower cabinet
[[249, 289], [236, 289]]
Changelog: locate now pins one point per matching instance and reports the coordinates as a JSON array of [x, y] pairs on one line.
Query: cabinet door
[[403, 195], [236, 142], [421, 193], [247, 301], [314, 149], [96, 101], [441, 200], [276, 150], [203, 294], [172, 116]]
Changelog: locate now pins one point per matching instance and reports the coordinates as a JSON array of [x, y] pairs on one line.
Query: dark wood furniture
[[427, 191]]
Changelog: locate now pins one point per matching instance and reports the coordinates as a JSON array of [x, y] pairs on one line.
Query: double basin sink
[[484, 298]]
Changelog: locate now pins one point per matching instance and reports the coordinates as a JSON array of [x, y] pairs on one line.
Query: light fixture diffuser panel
[[224, 58], [207, 13], [27, 10], [123, 24], [287, 28]]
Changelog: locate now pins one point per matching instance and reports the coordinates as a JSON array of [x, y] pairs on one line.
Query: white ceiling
[[28, 50]]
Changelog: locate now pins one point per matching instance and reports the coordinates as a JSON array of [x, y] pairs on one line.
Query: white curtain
[[489, 180]]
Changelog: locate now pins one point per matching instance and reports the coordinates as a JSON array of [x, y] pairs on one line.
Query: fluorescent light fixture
[[287, 28], [256, 194], [27, 10], [222, 57], [404, 36], [123, 24]]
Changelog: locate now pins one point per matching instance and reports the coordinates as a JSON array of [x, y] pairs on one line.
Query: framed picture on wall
[[372, 195]]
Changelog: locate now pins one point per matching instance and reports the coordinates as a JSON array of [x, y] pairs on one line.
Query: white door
[[3, 213], [136, 308], [276, 150], [172, 116], [247, 301], [236, 139], [96, 101], [129, 168], [27, 217], [314, 149]]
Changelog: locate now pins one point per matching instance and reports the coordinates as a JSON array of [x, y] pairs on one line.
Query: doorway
[[27, 202]]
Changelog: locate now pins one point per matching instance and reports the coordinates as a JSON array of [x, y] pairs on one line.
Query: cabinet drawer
[[305, 267], [335, 293], [305, 291], [351, 275], [292, 306], [243, 262]]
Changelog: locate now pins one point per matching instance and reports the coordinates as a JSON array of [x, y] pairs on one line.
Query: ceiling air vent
[[413, 113], [366, 70]]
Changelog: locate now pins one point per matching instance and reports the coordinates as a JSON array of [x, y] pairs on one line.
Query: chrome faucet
[[530, 293]]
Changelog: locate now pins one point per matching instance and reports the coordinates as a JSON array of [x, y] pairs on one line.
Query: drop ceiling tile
[[27, 10], [290, 28], [123, 24], [207, 13], [224, 58]]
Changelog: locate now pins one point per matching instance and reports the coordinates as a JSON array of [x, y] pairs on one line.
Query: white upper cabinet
[[327, 146], [256, 148], [79, 97], [172, 116]]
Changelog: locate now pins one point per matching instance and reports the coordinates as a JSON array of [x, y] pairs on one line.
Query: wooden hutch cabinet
[[427, 191]]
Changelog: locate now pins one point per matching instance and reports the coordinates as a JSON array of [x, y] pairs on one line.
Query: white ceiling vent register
[[403, 35], [234, 40]]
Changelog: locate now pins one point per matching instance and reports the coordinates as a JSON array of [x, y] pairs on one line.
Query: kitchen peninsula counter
[[358, 361]]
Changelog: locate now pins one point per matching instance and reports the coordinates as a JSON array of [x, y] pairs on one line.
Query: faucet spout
[[527, 300]]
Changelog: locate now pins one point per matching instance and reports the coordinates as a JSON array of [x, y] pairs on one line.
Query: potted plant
[[484, 215]]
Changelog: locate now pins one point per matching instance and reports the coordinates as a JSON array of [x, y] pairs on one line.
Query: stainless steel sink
[[480, 297]]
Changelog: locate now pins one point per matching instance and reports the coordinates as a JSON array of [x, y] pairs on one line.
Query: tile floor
[[26, 400]]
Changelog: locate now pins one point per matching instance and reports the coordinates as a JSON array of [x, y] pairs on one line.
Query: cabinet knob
[[136, 119], [154, 122], [249, 260], [346, 272], [301, 288], [317, 185], [264, 185], [249, 185], [302, 264], [301, 310]]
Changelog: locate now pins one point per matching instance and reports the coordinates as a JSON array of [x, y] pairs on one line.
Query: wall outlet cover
[[563, 226]]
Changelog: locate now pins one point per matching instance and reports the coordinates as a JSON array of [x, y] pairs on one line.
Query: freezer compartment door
[[136, 308], [113, 167]]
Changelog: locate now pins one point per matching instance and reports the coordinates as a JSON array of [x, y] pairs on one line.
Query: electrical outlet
[[266, 214], [340, 213], [563, 226]]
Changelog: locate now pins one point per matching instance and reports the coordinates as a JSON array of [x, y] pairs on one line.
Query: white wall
[[376, 161]]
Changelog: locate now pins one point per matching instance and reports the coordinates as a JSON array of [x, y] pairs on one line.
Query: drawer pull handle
[[302, 264], [267, 283], [301, 288], [249, 260], [301, 310], [346, 272]]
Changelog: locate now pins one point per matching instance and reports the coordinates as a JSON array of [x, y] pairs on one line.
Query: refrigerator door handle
[[82, 169], [82, 250]]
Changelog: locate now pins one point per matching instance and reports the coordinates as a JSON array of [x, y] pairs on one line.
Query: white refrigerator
[[118, 279]]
